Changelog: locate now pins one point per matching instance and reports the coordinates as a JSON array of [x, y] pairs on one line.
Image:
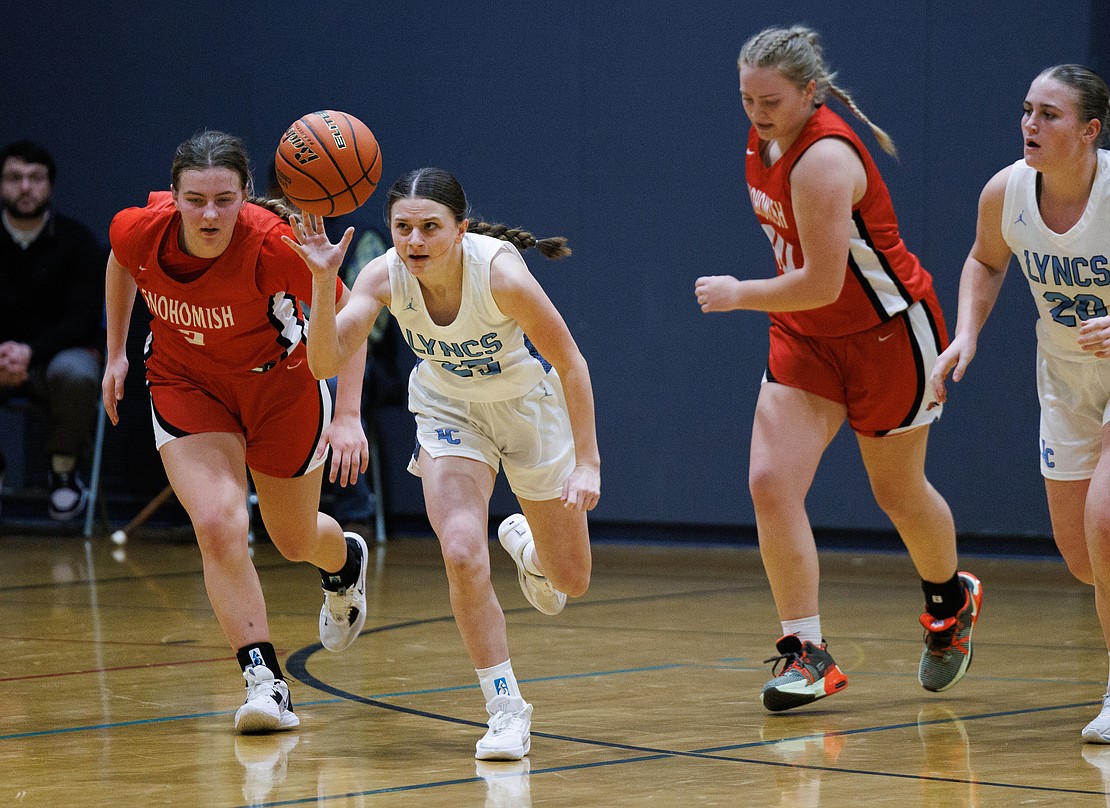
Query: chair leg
[[376, 481], [94, 479]]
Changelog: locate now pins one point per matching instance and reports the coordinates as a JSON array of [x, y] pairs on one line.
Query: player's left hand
[[1094, 337], [350, 451], [582, 488]]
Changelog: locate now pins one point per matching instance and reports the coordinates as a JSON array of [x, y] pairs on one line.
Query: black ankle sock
[[259, 653], [348, 573], [944, 600]]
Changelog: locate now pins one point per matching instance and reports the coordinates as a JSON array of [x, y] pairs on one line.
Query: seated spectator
[[52, 296]]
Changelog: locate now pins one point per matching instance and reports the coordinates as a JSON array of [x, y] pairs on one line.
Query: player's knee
[[290, 550], [219, 534], [571, 576], [576, 585], [1096, 518], [767, 485], [466, 563], [1081, 569]]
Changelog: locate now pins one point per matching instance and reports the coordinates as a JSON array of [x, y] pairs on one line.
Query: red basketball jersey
[[883, 278], [240, 314]]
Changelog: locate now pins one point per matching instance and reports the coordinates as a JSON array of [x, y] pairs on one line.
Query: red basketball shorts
[[281, 413], [880, 375]]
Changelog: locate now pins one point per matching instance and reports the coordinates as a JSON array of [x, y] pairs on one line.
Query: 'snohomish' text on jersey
[[236, 312], [883, 277]]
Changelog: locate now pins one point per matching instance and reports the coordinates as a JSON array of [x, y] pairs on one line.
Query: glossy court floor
[[116, 687]]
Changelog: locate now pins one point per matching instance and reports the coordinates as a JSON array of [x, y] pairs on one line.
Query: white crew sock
[[808, 629], [498, 680]]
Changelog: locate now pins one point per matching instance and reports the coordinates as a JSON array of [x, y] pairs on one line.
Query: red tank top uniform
[[881, 381], [226, 346]]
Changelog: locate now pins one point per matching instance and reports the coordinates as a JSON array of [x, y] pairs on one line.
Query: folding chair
[[94, 473]]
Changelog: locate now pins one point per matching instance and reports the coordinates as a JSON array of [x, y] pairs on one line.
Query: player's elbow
[[825, 295], [321, 368], [816, 287]]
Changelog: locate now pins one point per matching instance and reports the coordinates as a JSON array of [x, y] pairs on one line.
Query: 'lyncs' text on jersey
[[473, 348], [1067, 270], [179, 313]]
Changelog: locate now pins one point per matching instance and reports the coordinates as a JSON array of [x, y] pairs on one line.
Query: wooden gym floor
[[116, 688]]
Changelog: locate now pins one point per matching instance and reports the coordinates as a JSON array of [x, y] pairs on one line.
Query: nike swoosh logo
[[290, 367], [750, 151], [884, 339]]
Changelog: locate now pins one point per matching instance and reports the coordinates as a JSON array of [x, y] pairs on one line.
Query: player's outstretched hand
[[314, 246]]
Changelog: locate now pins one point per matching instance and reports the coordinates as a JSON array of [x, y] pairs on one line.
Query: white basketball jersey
[[1068, 273], [481, 356]]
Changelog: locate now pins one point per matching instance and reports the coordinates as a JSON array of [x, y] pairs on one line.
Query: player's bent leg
[[302, 533], [516, 537], [561, 540]]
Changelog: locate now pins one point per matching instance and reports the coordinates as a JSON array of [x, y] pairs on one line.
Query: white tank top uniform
[[1069, 277], [480, 389]]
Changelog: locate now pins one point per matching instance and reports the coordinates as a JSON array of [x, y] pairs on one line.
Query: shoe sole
[[251, 722], [502, 754], [787, 697], [360, 621]]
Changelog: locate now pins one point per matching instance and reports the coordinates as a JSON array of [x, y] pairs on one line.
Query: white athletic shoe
[[509, 735], [344, 611], [267, 708], [1098, 731], [515, 537]]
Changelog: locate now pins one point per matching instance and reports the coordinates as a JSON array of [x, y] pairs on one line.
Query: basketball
[[328, 163]]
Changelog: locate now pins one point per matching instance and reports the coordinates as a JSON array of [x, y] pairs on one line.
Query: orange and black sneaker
[[808, 673], [947, 654]]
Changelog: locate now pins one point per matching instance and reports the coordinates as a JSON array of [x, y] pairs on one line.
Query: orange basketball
[[328, 163]]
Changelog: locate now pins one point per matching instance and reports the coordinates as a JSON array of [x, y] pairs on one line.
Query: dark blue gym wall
[[619, 126]]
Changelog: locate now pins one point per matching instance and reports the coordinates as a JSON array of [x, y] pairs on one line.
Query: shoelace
[[942, 640], [795, 660], [266, 688], [339, 605], [503, 722]]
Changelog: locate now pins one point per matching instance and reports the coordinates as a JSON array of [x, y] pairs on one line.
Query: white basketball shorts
[[529, 437], [1075, 405]]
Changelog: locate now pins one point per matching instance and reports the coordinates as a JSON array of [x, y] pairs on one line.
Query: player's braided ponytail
[[797, 54], [554, 247], [278, 206]]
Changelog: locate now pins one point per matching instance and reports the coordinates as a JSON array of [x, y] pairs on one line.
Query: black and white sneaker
[[68, 496], [344, 611], [268, 707]]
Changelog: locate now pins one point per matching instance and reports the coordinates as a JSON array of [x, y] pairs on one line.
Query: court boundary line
[[297, 666]]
